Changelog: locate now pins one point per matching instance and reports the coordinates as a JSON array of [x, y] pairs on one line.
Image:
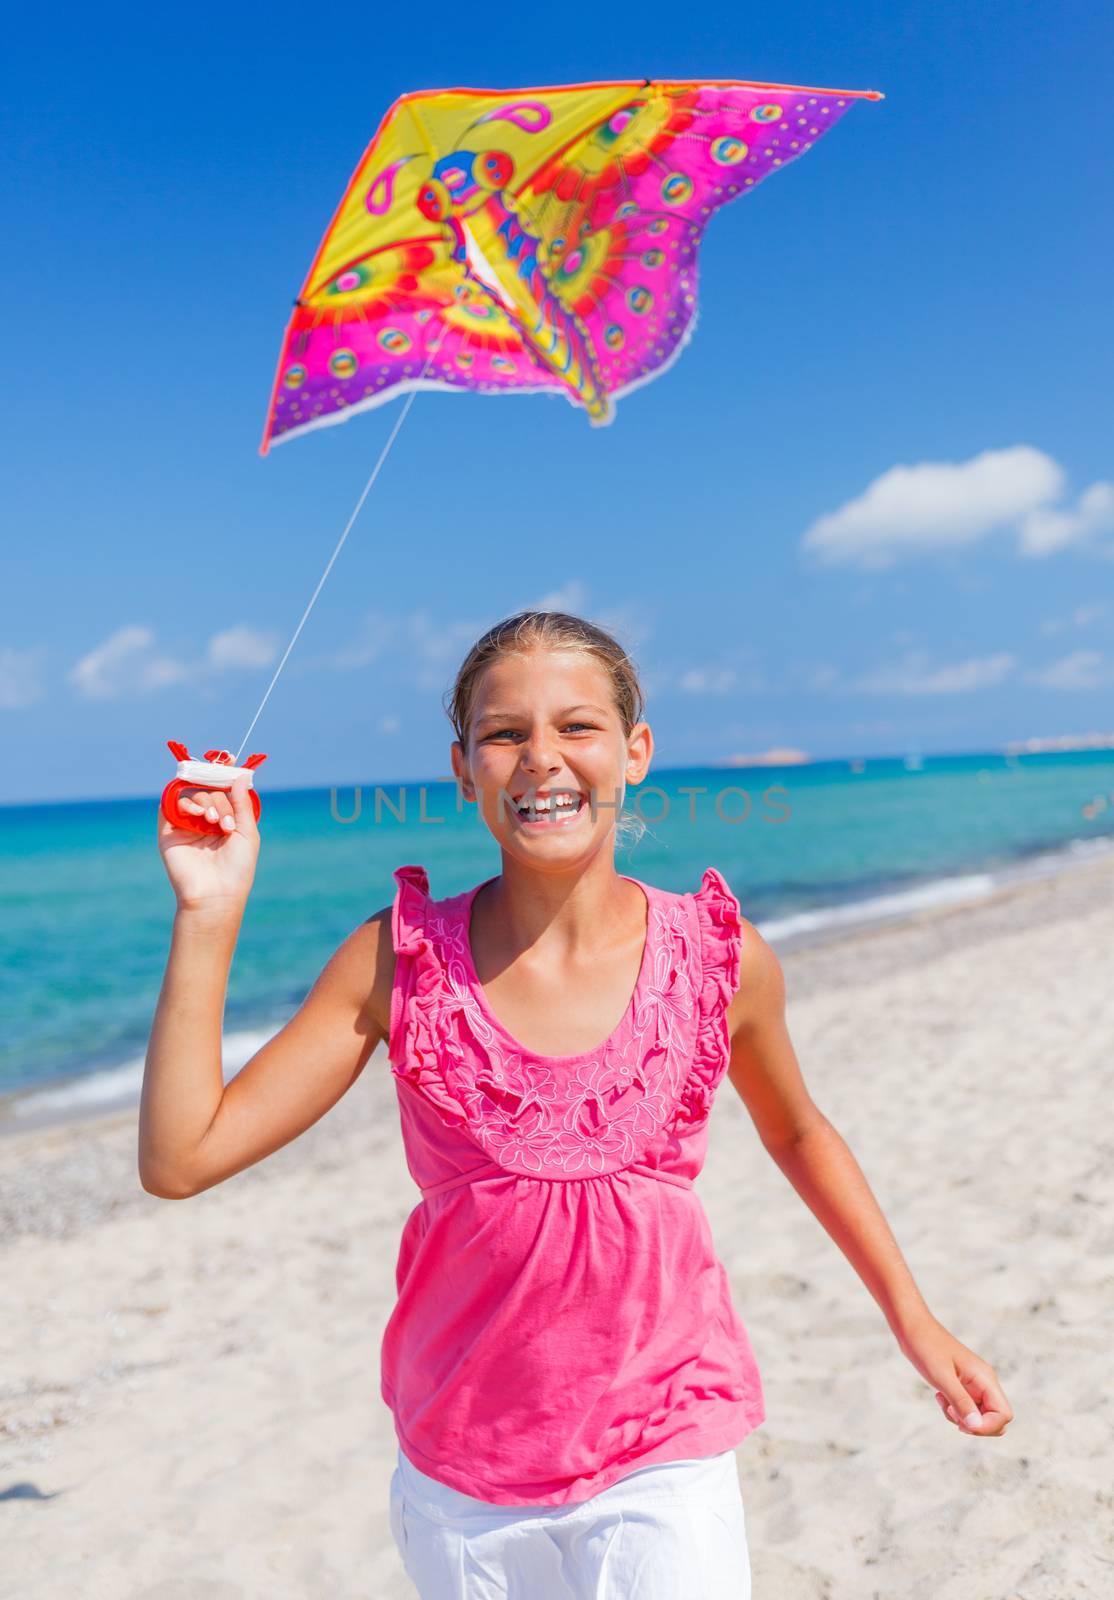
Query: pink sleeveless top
[[562, 1315]]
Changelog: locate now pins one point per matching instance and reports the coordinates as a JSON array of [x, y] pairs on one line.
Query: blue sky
[[869, 511]]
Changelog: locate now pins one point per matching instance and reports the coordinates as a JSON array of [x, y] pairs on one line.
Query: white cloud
[[441, 642], [420, 649], [389, 723], [719, 677], [441, 648], [375, 633], [1082, 669], [241, 646], [915, 675], [20, 684], [629, 623], [707, 680], [427, 650], [824, 676], [1081, 617], [125, 663], [945, 505], [128, 661], [571, 597], [1046, 529], [434, 650]]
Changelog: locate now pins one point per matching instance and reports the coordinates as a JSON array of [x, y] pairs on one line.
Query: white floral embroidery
[[568, 1116]]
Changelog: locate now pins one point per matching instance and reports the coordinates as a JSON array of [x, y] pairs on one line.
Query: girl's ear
[[640, 750], [461, 772]]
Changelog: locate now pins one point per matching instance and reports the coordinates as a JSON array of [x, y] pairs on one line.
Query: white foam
[[121, 1085], [876, 908], [934, 892]]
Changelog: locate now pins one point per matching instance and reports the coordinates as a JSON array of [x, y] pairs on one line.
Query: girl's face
[[545, 724]]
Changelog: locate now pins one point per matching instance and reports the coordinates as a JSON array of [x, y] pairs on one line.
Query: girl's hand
[[210, 871], [966, 1386]]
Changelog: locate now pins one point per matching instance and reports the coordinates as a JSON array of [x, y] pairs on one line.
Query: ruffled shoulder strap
[[721, 942], [721, 933], [417, 1040], [408, 911]]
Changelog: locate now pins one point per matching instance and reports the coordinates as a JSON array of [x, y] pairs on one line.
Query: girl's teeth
[[543, 811]]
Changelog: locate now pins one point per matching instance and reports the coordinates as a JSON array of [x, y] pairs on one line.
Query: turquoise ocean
[[809, 850]]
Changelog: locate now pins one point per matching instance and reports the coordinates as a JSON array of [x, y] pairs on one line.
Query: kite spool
[[216, 771]]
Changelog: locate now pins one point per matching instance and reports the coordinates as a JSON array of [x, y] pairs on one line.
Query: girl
[[566, 1371]]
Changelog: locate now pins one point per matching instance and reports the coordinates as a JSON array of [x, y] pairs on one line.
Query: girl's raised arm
[[193, 1130]]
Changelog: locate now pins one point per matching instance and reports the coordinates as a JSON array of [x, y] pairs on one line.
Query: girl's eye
[[499, 732]]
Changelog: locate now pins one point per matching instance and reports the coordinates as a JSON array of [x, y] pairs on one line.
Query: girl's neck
[[565, 915]]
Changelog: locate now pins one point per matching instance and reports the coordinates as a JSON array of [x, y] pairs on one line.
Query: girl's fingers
[[213, 805], [949, 1411], [988, 1421], [243, 814], [994, 1409]]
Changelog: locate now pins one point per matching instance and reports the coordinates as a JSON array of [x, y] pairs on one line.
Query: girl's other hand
[[210, 871], [966, 1386]]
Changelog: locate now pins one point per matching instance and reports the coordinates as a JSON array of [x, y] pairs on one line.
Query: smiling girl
[[566, 1370]]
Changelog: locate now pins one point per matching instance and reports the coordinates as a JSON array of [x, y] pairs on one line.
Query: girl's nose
[[537, 757]]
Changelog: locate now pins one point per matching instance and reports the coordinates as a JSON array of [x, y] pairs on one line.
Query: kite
[[533, 240], [517, 241]]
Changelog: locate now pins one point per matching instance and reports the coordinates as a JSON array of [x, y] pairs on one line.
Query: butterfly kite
[[534, 240], [542, 240]]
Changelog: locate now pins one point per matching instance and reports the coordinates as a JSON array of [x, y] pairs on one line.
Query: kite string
[[384, 453]]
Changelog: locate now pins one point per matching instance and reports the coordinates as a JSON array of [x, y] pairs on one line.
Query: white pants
[[670, 1532]]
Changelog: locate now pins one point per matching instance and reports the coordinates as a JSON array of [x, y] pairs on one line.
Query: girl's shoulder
[[371, 952]]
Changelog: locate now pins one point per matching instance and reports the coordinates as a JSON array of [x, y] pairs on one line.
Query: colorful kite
[[529, 239]]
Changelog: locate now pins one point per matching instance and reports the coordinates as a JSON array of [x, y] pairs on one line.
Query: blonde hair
[[552, 630]]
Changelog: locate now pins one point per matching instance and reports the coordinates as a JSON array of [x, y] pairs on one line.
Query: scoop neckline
[[633, 1003]]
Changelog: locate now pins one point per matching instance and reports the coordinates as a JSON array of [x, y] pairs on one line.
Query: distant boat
[[780, 757]]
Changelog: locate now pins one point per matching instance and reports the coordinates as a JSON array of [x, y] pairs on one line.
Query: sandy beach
[[189, 1401]]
